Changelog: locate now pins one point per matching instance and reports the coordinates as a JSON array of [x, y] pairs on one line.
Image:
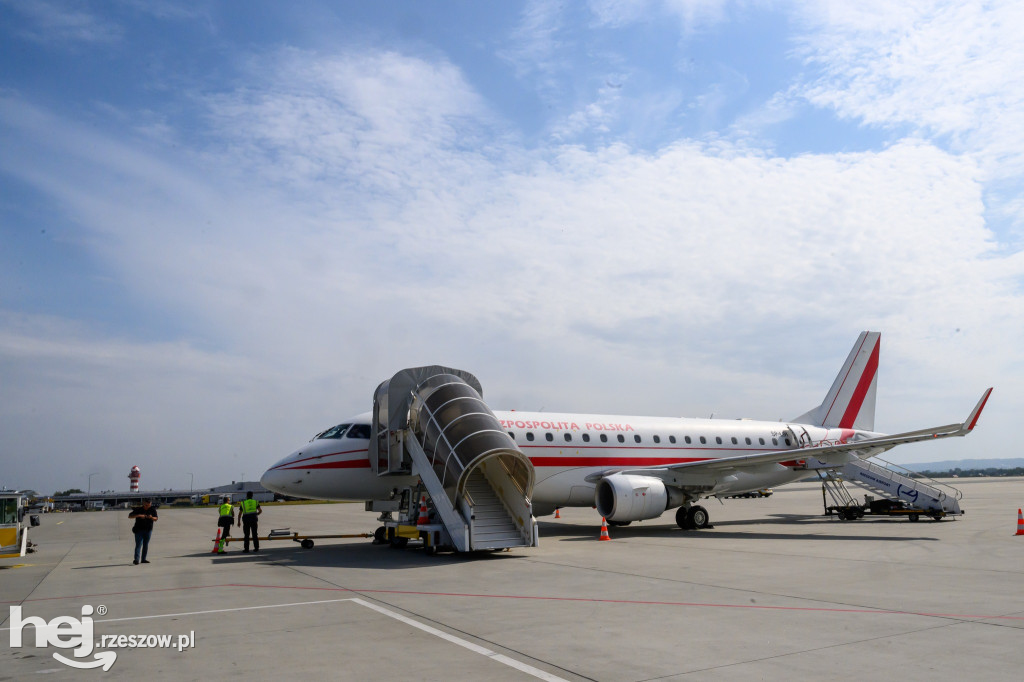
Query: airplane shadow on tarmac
[[367, 555], [358, 555], [585, 533]]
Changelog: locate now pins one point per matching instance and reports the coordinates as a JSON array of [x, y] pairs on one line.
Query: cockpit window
[[359, 431], [334, 432]]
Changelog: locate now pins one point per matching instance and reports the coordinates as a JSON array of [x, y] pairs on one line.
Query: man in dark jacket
[[144, 517]]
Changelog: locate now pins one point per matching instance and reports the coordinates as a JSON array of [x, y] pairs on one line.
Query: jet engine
[[624, 498]]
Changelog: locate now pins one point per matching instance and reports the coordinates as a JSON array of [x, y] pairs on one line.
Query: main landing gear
[[693, 517]]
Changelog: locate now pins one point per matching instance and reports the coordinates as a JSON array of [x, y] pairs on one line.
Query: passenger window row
[[585, 437]]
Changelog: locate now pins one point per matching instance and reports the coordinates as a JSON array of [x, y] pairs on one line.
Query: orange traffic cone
[[216, 542], [424, 517], [556, 513], [604, 530], [1020, 523]]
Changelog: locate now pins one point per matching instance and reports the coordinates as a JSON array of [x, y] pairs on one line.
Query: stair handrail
[[889, 474], [834, 485], [512, 478], [451, 449], [909, 473]]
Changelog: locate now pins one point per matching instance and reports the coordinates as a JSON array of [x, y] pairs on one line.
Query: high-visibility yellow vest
[[226, 509], [249, 506]]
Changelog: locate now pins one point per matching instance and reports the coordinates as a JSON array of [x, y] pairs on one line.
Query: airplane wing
[[701, 473]]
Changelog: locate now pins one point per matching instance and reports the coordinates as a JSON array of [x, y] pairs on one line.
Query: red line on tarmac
[[117, 594], [591, 600]]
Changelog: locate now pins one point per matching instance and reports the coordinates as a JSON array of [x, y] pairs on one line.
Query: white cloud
[[692, 14], [947, 69], [535, 43], [371, 122], [64, 23]]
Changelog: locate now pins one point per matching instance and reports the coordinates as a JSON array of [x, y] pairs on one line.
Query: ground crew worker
[[248, 519], [224, 522]]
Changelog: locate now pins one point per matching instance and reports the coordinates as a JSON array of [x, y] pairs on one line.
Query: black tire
[[619, 523], [914, 517], [380, 536], [937, 517], [698, 517], [683, 519], [307, 544], [399, 542], [431, 550]]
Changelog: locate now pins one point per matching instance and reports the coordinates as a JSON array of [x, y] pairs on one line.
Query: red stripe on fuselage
[[343, 464], [290, 464], [537, 461], [610, 461], [857, 400], [563, 461]]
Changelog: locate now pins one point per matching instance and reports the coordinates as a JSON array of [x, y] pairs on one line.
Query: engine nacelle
[[622, 497]]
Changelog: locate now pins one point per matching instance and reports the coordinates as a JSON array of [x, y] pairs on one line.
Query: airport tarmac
[[774, 591]]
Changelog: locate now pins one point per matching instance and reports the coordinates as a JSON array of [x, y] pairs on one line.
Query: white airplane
[[629, 468]]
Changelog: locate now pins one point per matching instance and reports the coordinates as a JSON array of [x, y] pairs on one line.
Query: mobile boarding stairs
[[432, 423], [912, 497]]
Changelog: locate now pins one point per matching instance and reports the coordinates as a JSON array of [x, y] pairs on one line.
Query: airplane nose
[[275, 480]]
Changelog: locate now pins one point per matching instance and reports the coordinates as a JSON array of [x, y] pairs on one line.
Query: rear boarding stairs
[[902, 494], [474, 483]]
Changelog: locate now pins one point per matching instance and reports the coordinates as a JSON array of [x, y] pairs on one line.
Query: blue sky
[[223, 224]]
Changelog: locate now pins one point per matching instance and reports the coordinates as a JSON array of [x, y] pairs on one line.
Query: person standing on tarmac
[[144, 517], [227, 518], [248, 519]]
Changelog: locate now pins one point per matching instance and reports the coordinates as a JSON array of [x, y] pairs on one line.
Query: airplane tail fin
[[850, 403]]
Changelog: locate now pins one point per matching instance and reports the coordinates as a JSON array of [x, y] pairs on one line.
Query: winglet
[[972, 418]]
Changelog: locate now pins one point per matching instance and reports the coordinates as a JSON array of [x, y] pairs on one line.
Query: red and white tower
[[134, 477]]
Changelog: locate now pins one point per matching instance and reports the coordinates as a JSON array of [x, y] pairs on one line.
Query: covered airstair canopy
[[433, 422]]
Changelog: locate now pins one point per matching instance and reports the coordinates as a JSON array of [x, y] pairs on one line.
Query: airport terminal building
[[236, 490]]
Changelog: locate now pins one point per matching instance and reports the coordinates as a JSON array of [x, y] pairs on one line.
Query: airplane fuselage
[[565, 449]]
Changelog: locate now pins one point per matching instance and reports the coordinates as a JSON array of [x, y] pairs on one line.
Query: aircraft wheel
[[399, 542], [683, 518], [698, 517], [307, 544]]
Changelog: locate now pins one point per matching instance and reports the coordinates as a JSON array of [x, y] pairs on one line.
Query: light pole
[[191, 479], [88, 495]]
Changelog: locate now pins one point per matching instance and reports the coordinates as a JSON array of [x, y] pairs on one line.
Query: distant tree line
[[973, 473], [69, 491]]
